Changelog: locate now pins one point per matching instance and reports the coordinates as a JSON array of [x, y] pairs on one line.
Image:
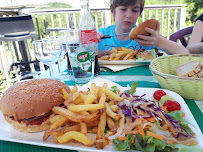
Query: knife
[[109, 36]]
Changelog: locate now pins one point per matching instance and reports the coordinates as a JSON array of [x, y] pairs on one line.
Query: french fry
[[128, 56], [111, 102], [111, 94], [84, 113], [101, 143], [75, 117], [114, 108], [55, 118], [105, 85], [110, 113], [102, 99], [88, 99], [63, 92], [75, 89], [93, 89], [76, 136], [126, 50], [111, 124], [58, 123], [83, 128], [87, 107], [47, 134], [101, 126]]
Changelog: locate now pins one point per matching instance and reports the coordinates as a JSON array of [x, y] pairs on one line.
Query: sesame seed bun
[[140, 29], [31, 98]]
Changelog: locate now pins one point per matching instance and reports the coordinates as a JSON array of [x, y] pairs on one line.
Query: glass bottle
[[88, 33]]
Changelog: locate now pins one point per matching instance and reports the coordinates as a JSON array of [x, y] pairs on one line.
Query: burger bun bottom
[[21, 126]]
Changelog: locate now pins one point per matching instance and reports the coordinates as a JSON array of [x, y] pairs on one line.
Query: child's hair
[[116, 3]]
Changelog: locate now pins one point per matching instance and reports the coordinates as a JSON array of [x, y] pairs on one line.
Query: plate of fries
[[126, 56], [80, 124]]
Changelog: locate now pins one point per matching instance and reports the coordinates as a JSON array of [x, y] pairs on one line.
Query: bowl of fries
[[163, 69]]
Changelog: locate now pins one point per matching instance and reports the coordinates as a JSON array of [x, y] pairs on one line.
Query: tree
[[194, 9]]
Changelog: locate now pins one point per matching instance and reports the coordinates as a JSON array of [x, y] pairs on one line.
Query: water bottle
[[88, 33]]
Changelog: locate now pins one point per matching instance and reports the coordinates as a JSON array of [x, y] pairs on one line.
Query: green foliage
[[194, 9]]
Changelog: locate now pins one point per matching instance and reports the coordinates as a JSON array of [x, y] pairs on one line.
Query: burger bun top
[[140, 29], [32, 98]]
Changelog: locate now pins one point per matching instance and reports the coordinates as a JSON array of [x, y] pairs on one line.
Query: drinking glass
[[71, 38], [81, 59], [61, 75], [47, 52]]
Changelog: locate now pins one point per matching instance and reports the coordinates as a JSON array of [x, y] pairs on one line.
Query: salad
[[152, 125]]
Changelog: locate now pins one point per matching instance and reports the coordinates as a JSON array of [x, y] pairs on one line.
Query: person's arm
[[155, 39], [195, 44]]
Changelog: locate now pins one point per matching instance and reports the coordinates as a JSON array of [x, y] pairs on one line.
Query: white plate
[[8, 133]]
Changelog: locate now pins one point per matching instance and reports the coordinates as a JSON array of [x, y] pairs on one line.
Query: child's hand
[[151, 40], [99, 36]]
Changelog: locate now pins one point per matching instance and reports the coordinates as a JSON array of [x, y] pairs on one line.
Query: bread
[[190, 69], [199, 74], [29, 128], [31, 102], [140, 29]]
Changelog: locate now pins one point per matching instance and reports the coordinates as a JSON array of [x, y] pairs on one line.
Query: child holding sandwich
[[126, 13]]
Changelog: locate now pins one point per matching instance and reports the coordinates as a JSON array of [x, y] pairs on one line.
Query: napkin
[[116, 68]]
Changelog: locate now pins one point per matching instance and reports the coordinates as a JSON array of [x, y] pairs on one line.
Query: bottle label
[[88, 36], [85, 60]]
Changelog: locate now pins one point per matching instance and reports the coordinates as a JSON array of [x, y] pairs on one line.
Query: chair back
[[17, 28], [183, 35], [16, 31]]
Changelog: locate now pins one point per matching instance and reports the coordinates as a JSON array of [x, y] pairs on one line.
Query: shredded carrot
[[151, 119], [164, 108], [119, 92], [171, 141], [183, 115], [160, 137], [121, 138], [129, 122], [141, 131], [133, 140], [112, 134], [165, 126]]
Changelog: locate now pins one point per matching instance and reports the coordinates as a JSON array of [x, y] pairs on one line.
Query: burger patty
[[34, 120]]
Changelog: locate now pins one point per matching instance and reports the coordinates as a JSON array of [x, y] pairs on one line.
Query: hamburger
[[28, 105], [140, 29]]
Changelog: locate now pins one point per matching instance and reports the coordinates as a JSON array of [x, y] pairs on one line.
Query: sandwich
[[28, 105], [192, 69], [140, 29]]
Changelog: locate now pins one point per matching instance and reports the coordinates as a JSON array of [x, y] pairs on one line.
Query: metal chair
[[183, 35], [16, 31]]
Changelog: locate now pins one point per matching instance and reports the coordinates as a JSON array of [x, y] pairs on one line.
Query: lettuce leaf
[[177, 115], [132, 90], [153, 53], [114, 89], [123, 145]]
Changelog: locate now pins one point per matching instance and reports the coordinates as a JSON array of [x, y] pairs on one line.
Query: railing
[[171, 17]]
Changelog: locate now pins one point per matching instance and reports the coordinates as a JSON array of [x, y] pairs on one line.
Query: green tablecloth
[[139, 70], [17, 147]]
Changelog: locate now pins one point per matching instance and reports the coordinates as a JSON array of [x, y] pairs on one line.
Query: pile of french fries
[[121, 53], [85, 112]]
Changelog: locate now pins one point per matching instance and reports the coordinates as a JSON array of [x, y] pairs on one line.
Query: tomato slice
[[172, 105], [158, 94]]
